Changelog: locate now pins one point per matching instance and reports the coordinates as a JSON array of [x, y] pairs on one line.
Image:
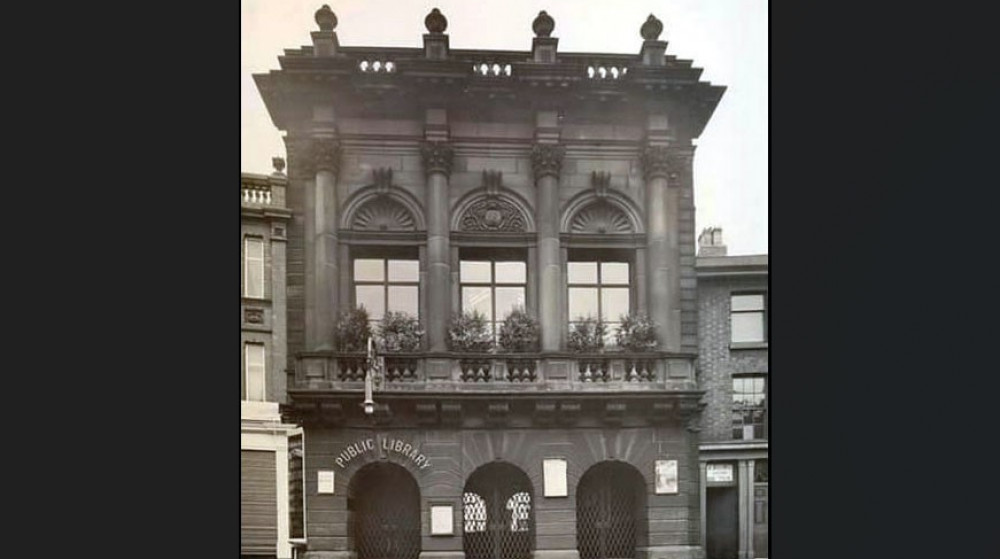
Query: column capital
[[546, 160], [324, 155], [437, 157], [672, 163]]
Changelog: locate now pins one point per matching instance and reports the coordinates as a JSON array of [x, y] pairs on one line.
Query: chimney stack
[[710, 242]]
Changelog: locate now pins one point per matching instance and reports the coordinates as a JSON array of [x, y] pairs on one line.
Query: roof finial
[[326, 19], [436, 22], [543, 24], [652, 28]]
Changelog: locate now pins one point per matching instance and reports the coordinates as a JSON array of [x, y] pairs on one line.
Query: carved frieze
[[437, 157], [493, 214], [546, 160], [253, 316]]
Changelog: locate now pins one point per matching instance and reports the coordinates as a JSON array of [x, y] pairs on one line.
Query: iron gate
[[497, 514], [386, 513], [606, 504]]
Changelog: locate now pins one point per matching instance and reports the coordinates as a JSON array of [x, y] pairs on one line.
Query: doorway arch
[[610, 511], [383, 503], [497, 513]]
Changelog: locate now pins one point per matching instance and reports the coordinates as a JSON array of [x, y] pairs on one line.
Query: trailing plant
[[352, 330], [636, 333], [470, 332], [519, 332], [399, 331], [586, 335]]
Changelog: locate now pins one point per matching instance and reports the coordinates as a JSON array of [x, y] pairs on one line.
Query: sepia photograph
[[504, 279]]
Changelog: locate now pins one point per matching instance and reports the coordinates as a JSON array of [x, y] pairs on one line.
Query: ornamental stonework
[[600, 218], [493, 215], [383, 214], [325, 155], [437, 157], [546, 160], [669, 163]]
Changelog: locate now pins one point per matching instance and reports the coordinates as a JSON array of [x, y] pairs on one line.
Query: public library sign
[[384, 446]]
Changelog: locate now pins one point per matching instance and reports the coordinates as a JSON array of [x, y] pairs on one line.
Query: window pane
[[255, 372], [511, 272], [366, 269], [614, 273], [614, 303], [404, 270], [747, 327], [581, 272], [404, 298], [477, 298], [507, 299], [582, 302], [372, 297], [475, 272], [255, 248], [255, 278], [748, 302]]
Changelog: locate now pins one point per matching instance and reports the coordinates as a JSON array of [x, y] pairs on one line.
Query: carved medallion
[[493, 214]]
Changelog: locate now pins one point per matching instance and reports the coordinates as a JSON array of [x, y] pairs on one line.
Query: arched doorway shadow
[[497, 513], [383, 503], [611, 511]]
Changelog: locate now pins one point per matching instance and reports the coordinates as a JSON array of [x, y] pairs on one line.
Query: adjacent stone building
[[733, 372], [435, 181], [266, 507]]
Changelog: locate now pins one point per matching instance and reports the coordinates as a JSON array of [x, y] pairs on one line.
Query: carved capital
[[325, 155], [546, 160], [669, 163], [437, 157]]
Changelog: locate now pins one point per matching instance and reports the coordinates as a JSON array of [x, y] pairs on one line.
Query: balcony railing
[[489, 371], [255, 193]]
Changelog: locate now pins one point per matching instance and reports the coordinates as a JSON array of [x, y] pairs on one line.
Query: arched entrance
[[610, 511], [497, 513], [383, 506]]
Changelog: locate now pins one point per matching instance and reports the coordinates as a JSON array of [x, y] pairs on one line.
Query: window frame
[[493, 256], [385, 283], [763, 407], [763, 311], [601, 257], [247, 263], [246, 371]]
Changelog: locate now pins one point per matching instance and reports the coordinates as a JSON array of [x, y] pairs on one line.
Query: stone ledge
[[671, 552]]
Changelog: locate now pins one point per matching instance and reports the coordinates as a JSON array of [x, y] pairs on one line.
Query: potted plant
[[400, 333], [469, 332], [519, 333], [637, 334], [351, 333], [586, 335]]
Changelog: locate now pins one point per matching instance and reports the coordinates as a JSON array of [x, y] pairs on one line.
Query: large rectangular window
[[493, 286], [386, 284], [749, 407], [599, 289], [253, 260], [748, 317], [255, 377]]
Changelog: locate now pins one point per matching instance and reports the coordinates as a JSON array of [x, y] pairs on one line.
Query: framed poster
[[554, 474], [719, 473], [325, 482], [442, 520], [666, 477]]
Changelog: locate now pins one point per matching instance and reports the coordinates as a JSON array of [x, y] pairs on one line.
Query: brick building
[[733, 372], [265, 476], [435, 182]]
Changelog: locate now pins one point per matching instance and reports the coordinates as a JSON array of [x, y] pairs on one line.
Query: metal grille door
[[386, 513], [606, 514], [497, 514]]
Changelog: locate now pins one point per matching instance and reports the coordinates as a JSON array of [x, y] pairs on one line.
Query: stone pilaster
[[437, 160], [546, 160]]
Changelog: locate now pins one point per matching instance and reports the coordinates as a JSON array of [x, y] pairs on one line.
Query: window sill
[[747, 345]]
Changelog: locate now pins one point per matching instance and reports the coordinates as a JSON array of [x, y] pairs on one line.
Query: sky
[[726, 38]]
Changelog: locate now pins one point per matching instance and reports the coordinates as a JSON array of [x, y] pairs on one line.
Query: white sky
[[726, 38]]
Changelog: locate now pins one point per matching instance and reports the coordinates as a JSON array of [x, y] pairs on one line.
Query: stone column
[[437, 160], [546, 160], [321, 244], [659, 267]]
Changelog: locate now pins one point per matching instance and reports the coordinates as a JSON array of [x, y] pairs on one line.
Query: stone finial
[[326, 19], [436, 22], [279, 164], [652, 28], [543, 24]]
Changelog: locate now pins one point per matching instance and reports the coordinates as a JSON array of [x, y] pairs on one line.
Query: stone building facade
[[265, 476], [435, 181], [733, 372]]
